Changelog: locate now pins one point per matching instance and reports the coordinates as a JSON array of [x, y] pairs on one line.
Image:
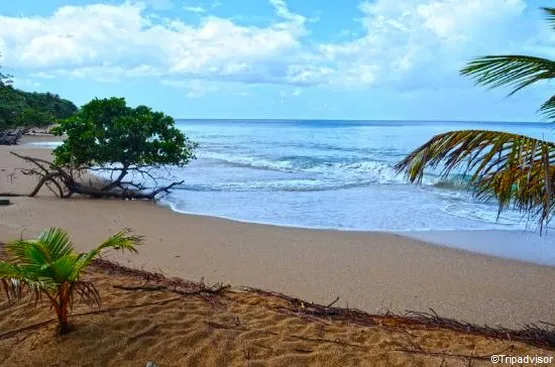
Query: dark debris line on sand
[[540, 335]]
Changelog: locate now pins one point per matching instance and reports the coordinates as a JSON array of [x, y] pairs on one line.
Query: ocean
[[331, 174]]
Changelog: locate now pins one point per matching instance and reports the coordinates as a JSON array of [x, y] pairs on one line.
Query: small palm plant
[[512, 168], [50, 266]]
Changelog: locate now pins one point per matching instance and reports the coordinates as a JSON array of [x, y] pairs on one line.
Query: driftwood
[[11, 137], [64, 182], [202, 288]]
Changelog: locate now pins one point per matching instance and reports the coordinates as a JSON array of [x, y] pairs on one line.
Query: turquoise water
[[330, 174]]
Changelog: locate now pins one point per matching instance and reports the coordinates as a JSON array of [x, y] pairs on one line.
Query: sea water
[[331, 174]]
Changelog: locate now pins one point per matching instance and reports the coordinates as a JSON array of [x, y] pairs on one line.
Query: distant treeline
[[23, 110]]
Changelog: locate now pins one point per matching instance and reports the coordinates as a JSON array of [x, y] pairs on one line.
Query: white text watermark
[[520, 360]]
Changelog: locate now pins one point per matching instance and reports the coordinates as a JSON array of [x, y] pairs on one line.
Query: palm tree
[[50, 266], [514, 169]]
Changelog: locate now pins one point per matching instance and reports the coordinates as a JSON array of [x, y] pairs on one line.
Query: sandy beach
[[374, 272], [234, 327]]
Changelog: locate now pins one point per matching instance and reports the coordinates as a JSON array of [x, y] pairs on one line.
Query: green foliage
[[550, 12], [516, 71], [50, 266], [107, 131], [11, 104], [24, 109], [514, 169], [32, 117]]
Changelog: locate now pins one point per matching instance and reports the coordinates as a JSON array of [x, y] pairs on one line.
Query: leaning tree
[[113, 150]]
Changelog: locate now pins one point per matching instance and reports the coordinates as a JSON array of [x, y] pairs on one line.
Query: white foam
[[47, 144]]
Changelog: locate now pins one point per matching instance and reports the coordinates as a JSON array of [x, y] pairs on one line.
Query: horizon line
[[360, 120]]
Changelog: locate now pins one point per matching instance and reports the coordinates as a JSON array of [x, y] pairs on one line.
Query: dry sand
[[371, 271], [238, 328]]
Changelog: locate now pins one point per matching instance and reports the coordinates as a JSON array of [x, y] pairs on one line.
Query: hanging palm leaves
[[514, 71], [513, 169], [550, 16]]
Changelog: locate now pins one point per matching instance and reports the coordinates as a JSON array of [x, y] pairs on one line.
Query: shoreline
[[433, 237], [41, 142], [372, 271]]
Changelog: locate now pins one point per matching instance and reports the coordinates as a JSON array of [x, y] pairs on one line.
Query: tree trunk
[[66, 185], [63, 326]]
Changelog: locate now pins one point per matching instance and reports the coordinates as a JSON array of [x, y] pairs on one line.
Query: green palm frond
[[515, 71], [550, 16], [50, 266], [120, 241], [51, 245], [57, 243], [28, 252], [547, 109], [512, 168], [50, 256]]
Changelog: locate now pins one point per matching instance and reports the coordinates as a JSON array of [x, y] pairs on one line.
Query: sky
[[277, 59]]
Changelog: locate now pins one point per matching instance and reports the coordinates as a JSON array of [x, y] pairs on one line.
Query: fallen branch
[[140, 288], [66, 181], [333, 303], [13, 333], [203, 289], [11, 137]]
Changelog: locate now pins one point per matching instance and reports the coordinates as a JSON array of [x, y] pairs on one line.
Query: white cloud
[[26, 83], [421, 39], [125, 40], [403, 43], [199, 88], [283, 11], [195, 9]]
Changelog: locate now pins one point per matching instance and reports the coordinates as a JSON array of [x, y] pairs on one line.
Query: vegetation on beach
[[107, 131], [133, 146], [20, 111], [50, 266], [515, 170]]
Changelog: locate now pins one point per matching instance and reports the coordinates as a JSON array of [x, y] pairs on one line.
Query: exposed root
[[64, 182]]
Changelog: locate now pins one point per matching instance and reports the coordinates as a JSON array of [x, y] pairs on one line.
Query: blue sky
[[282, 59]]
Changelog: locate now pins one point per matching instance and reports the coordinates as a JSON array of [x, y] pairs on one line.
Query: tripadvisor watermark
[[527, 359]]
